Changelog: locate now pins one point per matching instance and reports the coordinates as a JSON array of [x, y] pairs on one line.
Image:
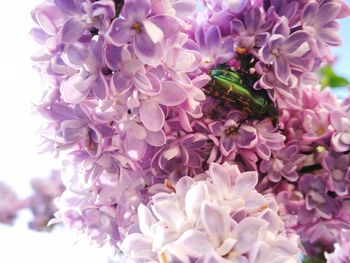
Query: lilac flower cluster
[[316, 205], [9, 204], [128, 111], [40, 202], [220, 219]]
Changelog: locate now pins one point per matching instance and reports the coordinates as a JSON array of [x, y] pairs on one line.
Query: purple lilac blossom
[[282, 47], [317, 211], [232, 136], [250, 32], [338, 167], [318, 21], [283, 164], [317, 233], [144, 31], [107, 208], [316, 198], [341, 136], [214, 48]]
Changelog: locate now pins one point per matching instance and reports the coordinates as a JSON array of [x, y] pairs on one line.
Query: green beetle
[[236, 88]]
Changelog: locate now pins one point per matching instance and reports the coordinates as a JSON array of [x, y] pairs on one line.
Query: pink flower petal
[[119, 32], [249, 231], [152, 116], [120, 84], [196, 243], [245, 182], [156, 138], [146, 220], [216, 222], [219, 176], [153, 31], [168, 24], [171, 94], [134, 147], [72, 30], [148, 52]]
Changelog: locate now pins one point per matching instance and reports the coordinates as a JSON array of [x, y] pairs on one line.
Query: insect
[[236, 88]]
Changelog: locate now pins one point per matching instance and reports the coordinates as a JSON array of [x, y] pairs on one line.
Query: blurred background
[[20, 161]]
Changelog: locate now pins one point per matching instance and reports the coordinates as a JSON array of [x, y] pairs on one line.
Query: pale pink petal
[[171, 94], [249, 231], [155, 138], [153, 31], [219, 176], [72, 30], [216, 222], [245, 182], [152, 116], [196, 243], [146, 220], [134, 147], [119, 32]]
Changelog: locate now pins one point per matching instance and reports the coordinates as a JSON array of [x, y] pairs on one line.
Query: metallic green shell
[[236, 88]]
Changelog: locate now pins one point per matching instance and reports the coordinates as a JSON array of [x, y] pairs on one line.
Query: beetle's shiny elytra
[[236, 88]]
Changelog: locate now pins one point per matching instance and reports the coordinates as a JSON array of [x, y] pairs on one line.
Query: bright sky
[[22, 86], [342, 67]]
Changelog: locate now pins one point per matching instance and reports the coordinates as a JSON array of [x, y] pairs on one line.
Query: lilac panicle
[[9, 204], [40, 202], [152, 165]]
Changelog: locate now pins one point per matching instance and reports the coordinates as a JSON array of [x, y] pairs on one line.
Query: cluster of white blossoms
[[221, 218]]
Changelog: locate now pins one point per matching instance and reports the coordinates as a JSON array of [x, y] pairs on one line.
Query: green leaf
[[314, 260], [330, 79]]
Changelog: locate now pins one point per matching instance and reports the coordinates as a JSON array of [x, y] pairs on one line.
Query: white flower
[[220, 219]]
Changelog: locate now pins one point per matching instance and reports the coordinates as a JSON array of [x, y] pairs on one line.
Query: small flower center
[[168, 184], [320, 131], [137, 27], [163, 258], [230, 130], [206, 60], [320, 149], [275, 51]]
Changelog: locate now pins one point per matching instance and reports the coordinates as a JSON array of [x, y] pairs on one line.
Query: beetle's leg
[[275, 123], [241, 122]]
